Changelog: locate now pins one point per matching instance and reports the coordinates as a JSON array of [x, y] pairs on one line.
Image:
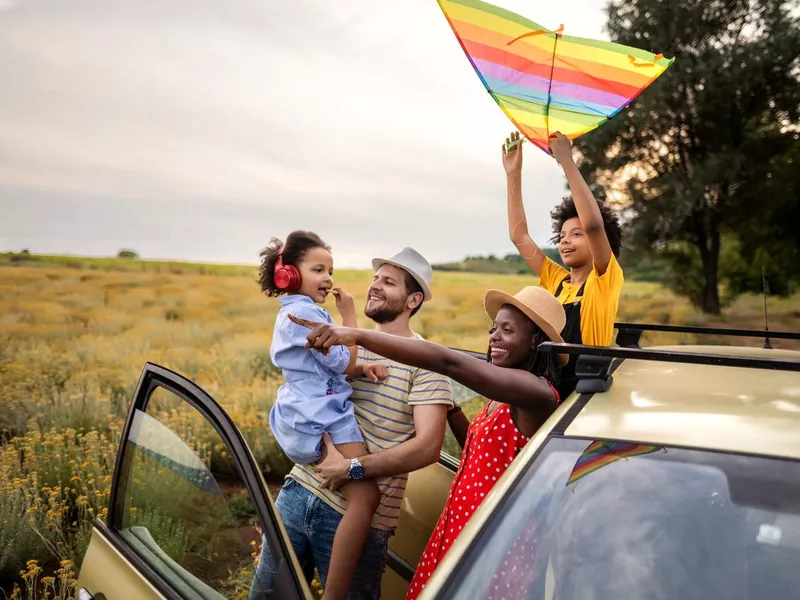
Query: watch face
[[356, 470]]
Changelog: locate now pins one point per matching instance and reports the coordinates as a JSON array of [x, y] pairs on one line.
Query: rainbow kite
[[599, 454], [546, 81]]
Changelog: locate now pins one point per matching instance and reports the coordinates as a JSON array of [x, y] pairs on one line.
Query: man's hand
[[375, 373], [344, 302], [512, 159], [561, 148], [334, 469], [325, 335]]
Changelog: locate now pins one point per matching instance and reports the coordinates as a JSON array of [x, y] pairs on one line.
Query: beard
[[387, 312]]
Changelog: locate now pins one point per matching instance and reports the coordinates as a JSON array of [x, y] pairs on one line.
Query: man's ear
[[414, 300]]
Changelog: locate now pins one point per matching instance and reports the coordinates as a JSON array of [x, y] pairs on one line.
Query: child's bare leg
[[362, 498]]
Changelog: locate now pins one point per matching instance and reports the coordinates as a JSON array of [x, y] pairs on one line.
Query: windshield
[[598, 520]]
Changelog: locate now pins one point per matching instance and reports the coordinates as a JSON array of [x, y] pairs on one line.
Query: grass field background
[[76, 332]]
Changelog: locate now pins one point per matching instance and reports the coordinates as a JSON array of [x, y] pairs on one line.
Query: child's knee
[[374, 497], [366, 496]]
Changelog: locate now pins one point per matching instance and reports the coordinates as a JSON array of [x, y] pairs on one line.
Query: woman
[[589, 239], [518, 379]]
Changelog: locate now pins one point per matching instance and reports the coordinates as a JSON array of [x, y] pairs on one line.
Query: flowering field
[[75, 333]]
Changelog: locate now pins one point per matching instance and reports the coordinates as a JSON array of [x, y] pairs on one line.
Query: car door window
[[186, 512], [471, 403], [179, 502]]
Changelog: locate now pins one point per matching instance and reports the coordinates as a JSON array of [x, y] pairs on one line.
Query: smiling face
[[387, 296], [511, 338], [573, 245], [316, 270]]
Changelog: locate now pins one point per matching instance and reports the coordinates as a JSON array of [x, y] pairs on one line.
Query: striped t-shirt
[[384, 414]]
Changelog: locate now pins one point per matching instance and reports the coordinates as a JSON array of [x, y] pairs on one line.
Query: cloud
[[243, 120]]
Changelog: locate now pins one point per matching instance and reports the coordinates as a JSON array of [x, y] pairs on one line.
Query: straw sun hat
[[536, 303]]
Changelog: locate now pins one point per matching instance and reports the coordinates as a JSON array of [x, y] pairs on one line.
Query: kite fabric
[[599, 454], [546, 81]]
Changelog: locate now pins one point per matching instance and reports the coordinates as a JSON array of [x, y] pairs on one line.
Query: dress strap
[[555, 392]]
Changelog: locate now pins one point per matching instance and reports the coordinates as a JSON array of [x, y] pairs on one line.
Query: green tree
[[769, 238], [707, 151], [128, 253]]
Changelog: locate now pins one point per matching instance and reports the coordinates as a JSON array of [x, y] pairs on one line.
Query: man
[[402, 420]]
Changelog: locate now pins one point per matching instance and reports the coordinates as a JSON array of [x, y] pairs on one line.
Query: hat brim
[[494, 301], [377, 263]]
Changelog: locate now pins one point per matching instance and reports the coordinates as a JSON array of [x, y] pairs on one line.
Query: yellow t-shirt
[[600, 298]]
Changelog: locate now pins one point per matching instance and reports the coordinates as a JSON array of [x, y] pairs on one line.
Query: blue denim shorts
[[311, 525]]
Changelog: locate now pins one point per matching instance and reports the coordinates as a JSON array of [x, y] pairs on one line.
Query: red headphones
[[287, 277]]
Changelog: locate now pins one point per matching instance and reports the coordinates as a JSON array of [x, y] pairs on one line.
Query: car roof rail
[[594, 374], [674, 356], [629, 334]]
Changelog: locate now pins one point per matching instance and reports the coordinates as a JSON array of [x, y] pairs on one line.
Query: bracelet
[[454, 410]]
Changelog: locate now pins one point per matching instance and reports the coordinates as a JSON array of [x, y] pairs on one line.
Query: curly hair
[[297, 246], [566, 211]]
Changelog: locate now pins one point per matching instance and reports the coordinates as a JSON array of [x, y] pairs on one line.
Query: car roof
[[732, 409]]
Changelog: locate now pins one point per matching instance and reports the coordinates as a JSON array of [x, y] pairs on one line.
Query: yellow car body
[[703, 412]]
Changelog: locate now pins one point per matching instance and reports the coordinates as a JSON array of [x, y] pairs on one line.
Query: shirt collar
[[293, 298]]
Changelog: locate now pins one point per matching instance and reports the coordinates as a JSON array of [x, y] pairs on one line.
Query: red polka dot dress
[[493, 441]]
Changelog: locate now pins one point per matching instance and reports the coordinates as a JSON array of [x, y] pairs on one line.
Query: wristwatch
[[356, 471]]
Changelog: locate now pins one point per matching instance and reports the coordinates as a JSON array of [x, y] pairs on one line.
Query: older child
[[589, 239]]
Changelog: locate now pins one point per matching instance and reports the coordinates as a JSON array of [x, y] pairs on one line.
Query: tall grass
[[75, 334]]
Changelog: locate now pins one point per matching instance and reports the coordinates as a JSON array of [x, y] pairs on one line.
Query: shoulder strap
[[555, 391], [561, 286]]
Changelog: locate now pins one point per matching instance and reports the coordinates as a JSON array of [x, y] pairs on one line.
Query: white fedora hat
[[536, 303], [413, 263]]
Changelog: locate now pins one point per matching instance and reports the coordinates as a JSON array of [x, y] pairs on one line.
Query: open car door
[[184, 522]]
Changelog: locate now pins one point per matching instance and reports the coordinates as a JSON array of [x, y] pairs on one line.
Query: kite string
[[558, 33], [550, 89]]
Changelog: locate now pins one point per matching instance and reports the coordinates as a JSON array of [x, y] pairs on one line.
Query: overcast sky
[[197, 129]]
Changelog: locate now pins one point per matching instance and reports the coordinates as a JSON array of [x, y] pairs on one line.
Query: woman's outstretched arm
[[510, 386]]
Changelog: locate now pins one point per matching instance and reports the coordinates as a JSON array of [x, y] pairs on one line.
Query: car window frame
[[152, 377], [446, 460]]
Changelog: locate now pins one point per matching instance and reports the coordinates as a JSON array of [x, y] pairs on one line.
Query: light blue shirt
[[316, 395]]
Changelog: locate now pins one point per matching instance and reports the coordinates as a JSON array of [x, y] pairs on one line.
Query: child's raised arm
[[585, 203], [517, 222], [347, 309]]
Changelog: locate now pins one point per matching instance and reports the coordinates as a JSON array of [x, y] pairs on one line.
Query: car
[[671, 472]]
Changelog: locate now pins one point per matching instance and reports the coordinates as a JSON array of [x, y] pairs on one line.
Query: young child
[[315, 397], [589, 239]]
